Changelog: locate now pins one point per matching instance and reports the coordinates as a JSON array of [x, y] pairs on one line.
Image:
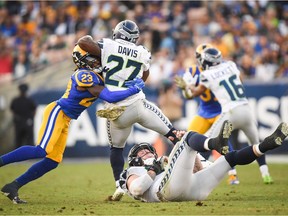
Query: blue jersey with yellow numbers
[[74, 102], [209, 106]]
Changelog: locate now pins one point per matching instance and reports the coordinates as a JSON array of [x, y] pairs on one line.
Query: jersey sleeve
[[86, 79], [146, 58], [235, 68], [204, 80]]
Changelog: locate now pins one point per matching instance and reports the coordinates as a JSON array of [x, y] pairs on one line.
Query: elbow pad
[[140, 185]]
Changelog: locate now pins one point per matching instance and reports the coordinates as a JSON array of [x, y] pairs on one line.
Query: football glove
[[189, 79], [111, 113], [180, 82], [137, 82], [156, 167]]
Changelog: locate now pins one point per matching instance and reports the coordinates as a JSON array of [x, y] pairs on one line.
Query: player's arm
[[138, 185], [197, 90], [116, 96], [89, 45], [145, 75]]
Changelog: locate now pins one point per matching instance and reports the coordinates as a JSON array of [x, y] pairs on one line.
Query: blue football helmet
[[83, 59], [126, 30], [210, 57]]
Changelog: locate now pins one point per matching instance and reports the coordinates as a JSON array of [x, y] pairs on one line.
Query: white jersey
[[224, 81], [178, 182], [125, 61]]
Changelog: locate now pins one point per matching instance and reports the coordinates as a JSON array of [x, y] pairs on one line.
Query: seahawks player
[[209, 108], [124, 60], [223, 79], [149, 180], [83, 88]]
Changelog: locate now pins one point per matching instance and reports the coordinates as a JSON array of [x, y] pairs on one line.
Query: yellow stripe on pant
[[53, 132]]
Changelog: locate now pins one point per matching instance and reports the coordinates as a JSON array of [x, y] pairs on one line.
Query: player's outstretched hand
[[180, 82], [136, 82]]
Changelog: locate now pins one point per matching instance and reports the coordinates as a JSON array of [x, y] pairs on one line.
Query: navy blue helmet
[[126, 30]]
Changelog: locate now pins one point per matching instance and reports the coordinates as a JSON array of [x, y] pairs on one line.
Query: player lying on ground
[[147, 180], [83, 89]]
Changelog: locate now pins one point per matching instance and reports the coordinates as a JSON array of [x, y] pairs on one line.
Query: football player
[[209, 108], [124, 60], [223, 79], [150, 180], [83, 88]]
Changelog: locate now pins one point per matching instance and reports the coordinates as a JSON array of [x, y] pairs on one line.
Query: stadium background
[[37, 39]]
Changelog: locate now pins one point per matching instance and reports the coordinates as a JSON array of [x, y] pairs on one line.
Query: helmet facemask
[[134, 159]]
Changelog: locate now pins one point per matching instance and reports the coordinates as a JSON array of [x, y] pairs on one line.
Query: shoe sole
[[117, 197], [226, 132], [281, 133], [227, 129]]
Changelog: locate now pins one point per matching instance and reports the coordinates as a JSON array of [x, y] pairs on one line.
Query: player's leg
[[199, 124], [249, 126], [151, 117], [31, 152], [118, 132], [204, 181], [181, 162], [175, 180], [53, 141]]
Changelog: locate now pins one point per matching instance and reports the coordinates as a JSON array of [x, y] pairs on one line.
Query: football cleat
[[12, 193], [118, 194], [267, 179], [276, 138], [233, 180], [221, 145]]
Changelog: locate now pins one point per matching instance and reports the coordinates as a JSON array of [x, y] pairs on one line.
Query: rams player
[[209, 108], [83, 88]]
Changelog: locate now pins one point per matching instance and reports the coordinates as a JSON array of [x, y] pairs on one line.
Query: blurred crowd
[[252, 33]]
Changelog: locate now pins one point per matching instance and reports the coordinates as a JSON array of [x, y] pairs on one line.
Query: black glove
[[137, 161], [155, 167]]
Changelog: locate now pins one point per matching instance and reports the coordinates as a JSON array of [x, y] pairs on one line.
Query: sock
[[196, 141], [241, 157], [232, 171], [264, 170], [116, 161], [1, 162], [22, 153], [261, 160], [37, 170]]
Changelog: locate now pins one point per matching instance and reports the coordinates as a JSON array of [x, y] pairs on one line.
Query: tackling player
[[209, 108], [223, 79], [148, 179], [83, 88], [124, 60]]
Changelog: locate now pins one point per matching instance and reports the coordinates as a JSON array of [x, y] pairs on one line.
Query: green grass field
[[81, 189]]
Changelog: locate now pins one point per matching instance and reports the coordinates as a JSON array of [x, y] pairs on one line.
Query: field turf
[[82, 189]]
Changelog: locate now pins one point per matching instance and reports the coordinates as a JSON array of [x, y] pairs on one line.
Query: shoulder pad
[[86, 78]]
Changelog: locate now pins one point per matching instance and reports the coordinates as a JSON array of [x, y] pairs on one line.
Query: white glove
[[189, 79], [163, 161]]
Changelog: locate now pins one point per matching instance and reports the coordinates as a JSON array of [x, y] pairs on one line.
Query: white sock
[[264, 170], [257, 150], [206, 144], [232, 172]]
